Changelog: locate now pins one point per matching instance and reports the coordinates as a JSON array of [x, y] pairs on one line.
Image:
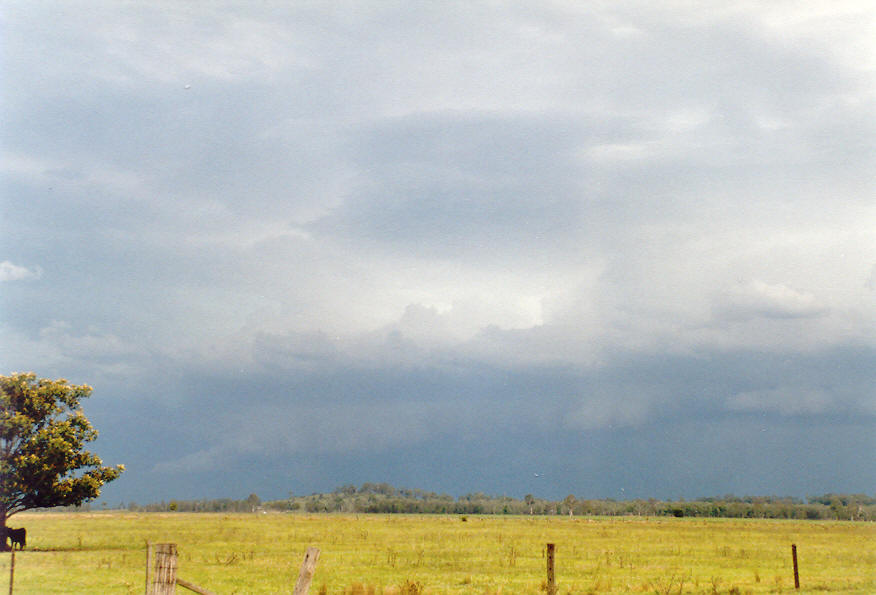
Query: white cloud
[[13, 272], [871, 280], [89, 345], [622, 151], [756, 299], [464, 318]]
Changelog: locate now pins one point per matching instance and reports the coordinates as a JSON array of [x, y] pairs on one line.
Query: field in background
[[260, 553]]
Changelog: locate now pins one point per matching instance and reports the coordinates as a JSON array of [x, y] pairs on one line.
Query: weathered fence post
[[307, 570], [148, 564], [164, 577], [193, 587], [794, 558], [11, 569], [551, 578]]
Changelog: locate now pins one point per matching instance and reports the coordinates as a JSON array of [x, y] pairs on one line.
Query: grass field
[[260, 553]]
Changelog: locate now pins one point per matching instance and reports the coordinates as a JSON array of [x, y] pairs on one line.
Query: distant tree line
[[384, 498], [251, 504]]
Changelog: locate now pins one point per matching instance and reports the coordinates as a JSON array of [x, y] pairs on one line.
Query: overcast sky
[[627, 246]]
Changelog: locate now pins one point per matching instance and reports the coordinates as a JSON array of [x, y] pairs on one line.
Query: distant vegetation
[[384, 498]]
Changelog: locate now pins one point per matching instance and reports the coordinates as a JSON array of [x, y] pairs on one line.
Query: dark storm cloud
[[660, 421]]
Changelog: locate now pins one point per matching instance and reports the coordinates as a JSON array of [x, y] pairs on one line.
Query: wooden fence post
[[551, 578], [193, 587], [307, 570], [164, 577], [794, 558], [148, 564], [11, 569]]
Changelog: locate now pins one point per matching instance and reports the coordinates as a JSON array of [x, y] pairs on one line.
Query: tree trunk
[[3, 546]]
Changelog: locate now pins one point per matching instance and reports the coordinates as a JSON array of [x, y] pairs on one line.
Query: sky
[[609, 249]]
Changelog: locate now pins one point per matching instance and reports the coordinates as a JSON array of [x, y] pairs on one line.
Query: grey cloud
[[645, 407], [294, 350], [619, 410], [451, 184], [621, 387], [785, 400], [590, 235]]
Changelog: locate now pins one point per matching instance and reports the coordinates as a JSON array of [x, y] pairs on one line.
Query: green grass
[[261, 553]]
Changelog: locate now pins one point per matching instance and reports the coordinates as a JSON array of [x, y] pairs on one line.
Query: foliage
[[42, 437], [383, 498]]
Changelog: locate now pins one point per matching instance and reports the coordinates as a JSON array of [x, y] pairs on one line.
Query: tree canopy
[[43, 432]]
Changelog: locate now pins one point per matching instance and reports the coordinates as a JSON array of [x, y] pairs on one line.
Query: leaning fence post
[[794, 558], [193, 587], [551, 578], [164, 577], [307, 570]]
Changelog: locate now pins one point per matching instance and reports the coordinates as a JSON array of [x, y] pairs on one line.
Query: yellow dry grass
[[260, 553]]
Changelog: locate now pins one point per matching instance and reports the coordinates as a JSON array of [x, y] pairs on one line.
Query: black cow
[[18, 536]]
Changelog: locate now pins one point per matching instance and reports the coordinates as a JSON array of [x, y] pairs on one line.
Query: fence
[[161, 578], [165, 579], [162, 558]]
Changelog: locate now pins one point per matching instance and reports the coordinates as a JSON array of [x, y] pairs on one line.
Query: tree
[[570, 501], [43, 432]]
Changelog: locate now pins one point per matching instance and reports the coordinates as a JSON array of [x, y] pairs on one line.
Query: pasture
[[105, 552]]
